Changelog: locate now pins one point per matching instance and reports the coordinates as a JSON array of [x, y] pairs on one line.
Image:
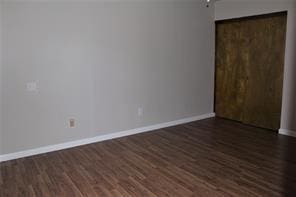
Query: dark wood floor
[[213, 157]]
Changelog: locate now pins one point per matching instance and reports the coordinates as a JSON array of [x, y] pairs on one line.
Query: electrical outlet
[[32, 86], [140, 111], [72, 123]]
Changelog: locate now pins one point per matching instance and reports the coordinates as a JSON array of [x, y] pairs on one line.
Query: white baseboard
[[287, 132], [100, 138]]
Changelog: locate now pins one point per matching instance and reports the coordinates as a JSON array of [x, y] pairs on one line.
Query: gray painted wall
[[226, 9], [98, 62], [1, 134]]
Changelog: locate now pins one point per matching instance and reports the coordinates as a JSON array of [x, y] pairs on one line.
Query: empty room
[[147, 98]]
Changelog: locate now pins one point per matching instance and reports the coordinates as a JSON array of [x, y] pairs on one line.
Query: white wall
[[226, 9], [98, 62]]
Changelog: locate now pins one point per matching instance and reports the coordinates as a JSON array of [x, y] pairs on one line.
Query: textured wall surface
[[1, 125], [98, 63]]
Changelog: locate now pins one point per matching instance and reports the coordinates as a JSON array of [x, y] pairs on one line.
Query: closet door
[[263, 50], [230, 84], [249, 69]]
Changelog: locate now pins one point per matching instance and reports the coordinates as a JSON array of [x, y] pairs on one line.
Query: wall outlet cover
[[72, 123], [140, 111], [32, 86]]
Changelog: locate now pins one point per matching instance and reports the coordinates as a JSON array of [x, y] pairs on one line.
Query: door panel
[[264, 56], [249, 69], [229, 72]]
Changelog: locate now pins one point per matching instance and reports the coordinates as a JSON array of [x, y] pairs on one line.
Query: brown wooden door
[[249, 69]]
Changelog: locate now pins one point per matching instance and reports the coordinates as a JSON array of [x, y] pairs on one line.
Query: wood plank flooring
[[213, 157]]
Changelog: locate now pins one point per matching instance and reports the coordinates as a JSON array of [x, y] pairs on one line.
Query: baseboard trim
[[287, 132], [56, 147]]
